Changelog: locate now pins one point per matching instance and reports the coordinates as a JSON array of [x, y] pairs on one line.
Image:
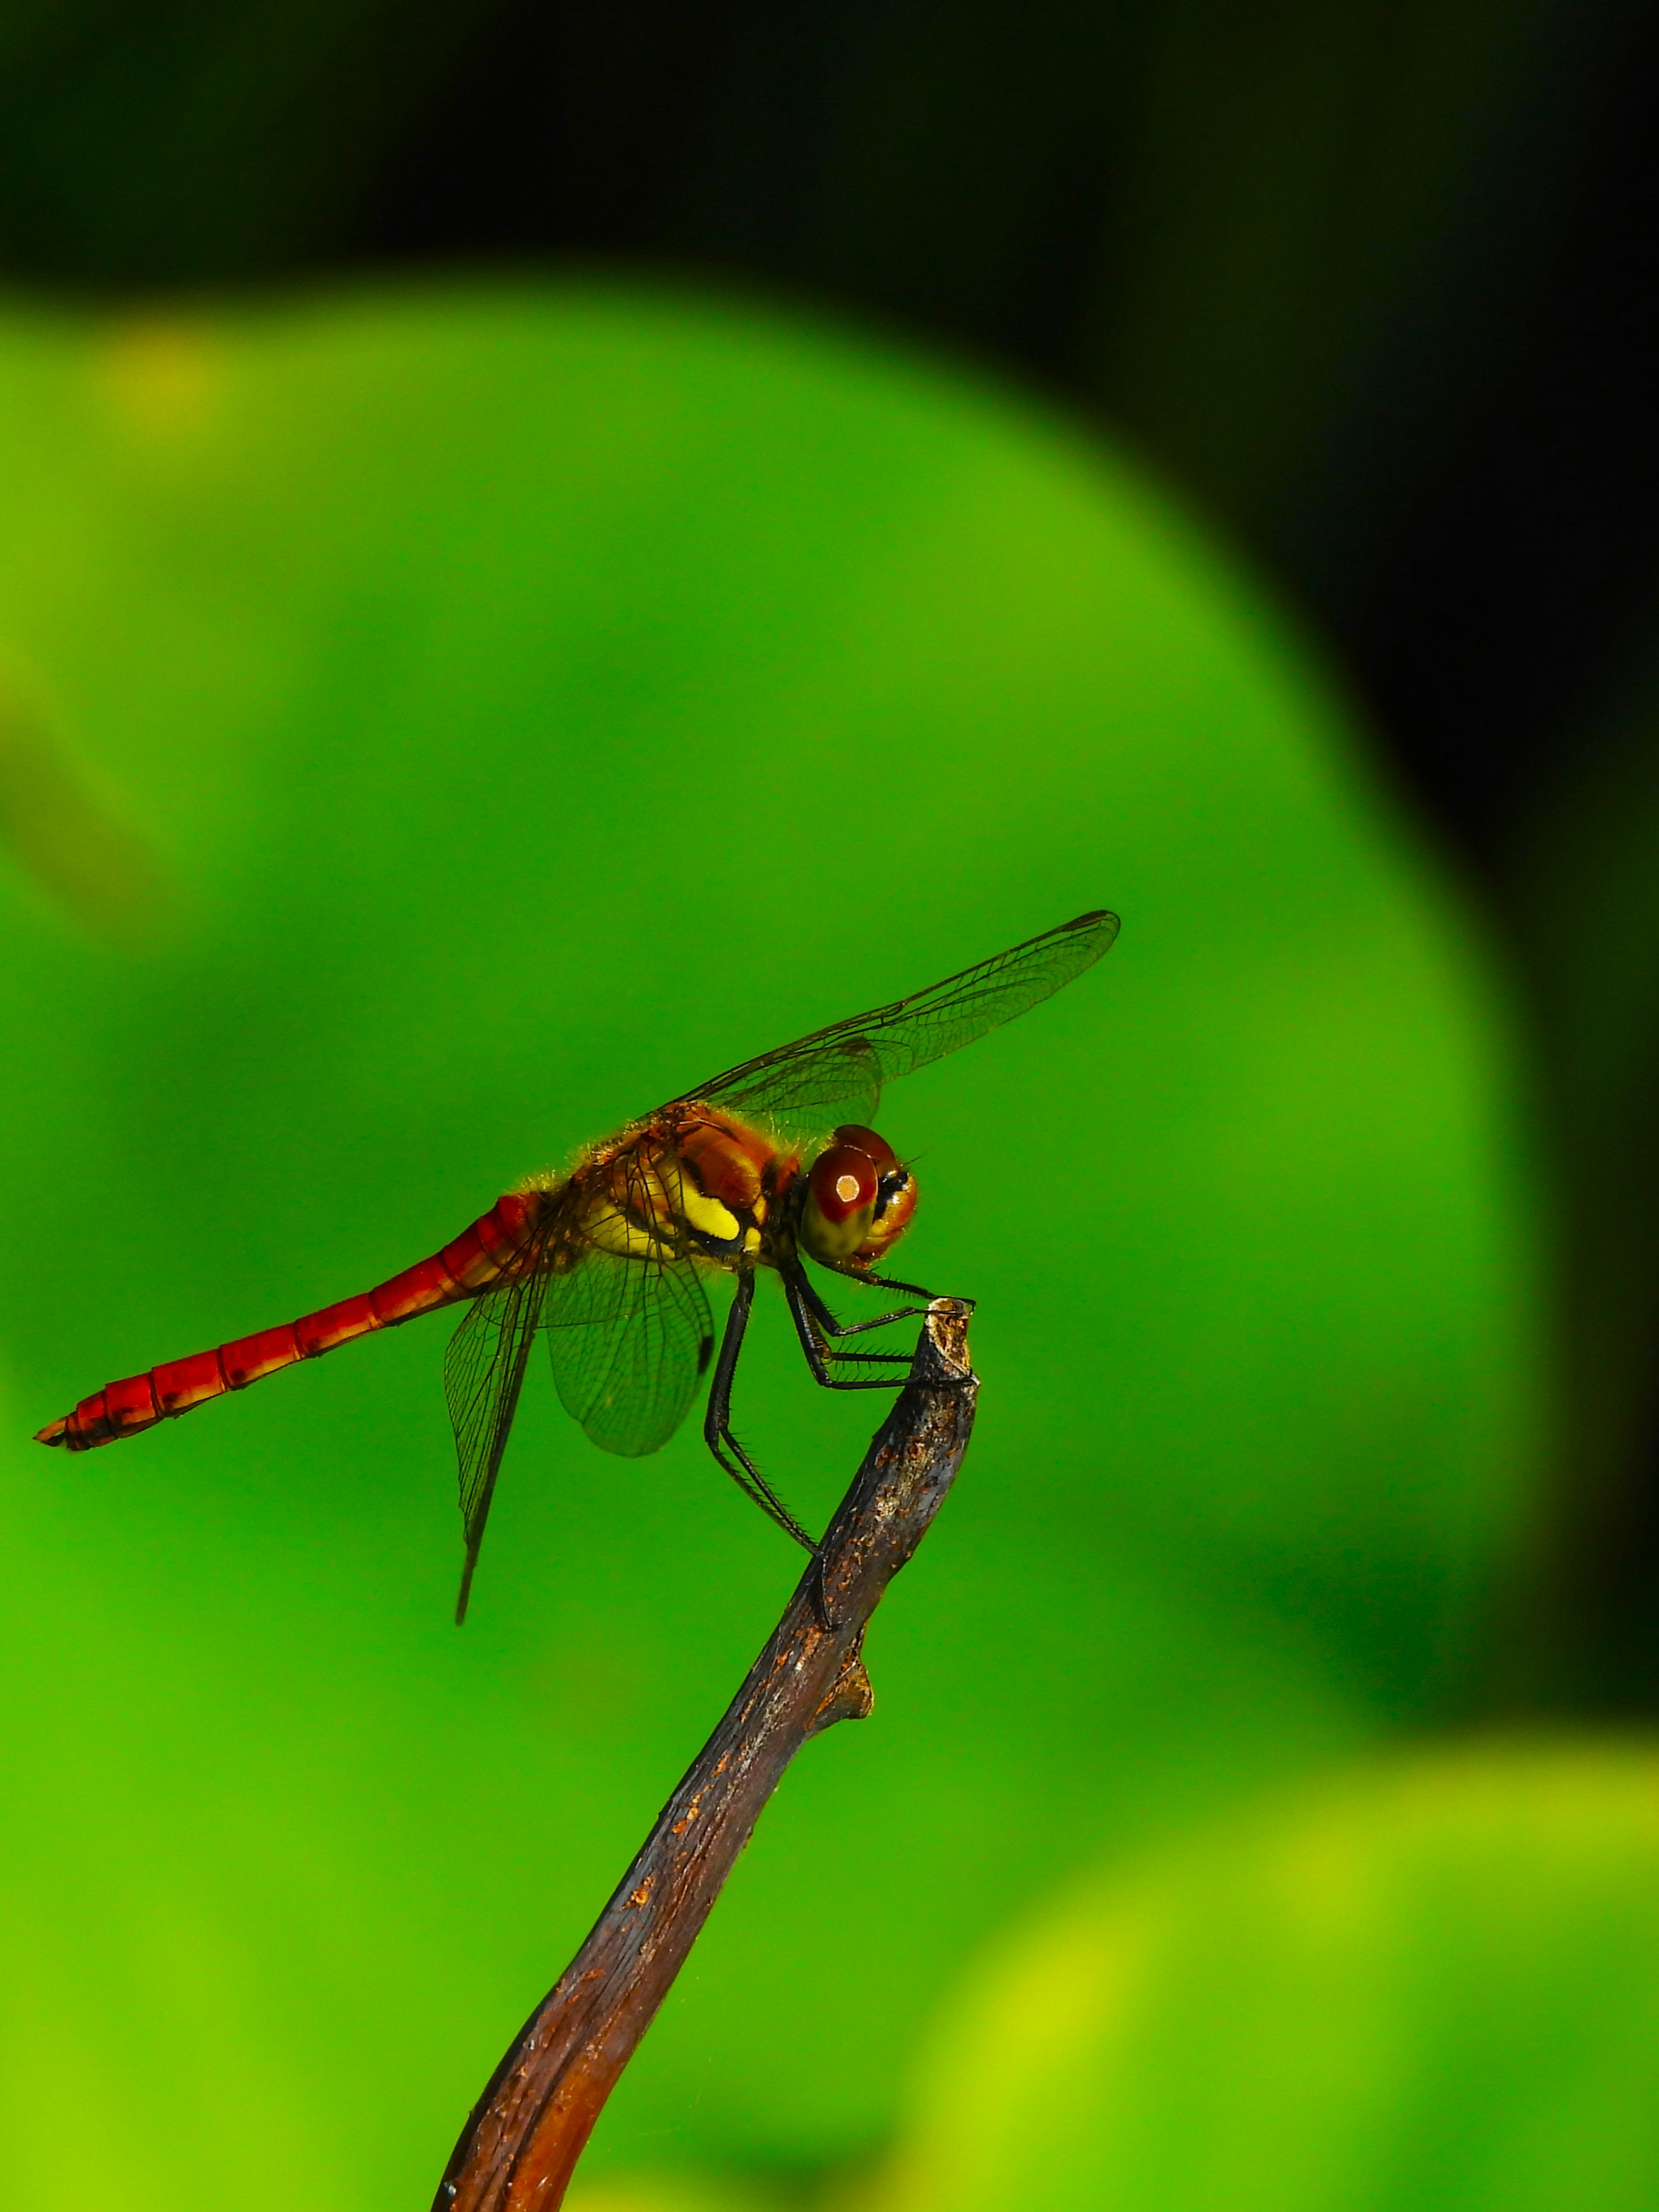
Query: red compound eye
[[867, 1141], [844, 1180]]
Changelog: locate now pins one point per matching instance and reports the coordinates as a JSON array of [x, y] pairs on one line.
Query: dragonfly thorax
[[687, 1183]]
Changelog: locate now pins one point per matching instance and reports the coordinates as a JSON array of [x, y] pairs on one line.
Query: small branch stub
[[521, 2144], [851, 1698]]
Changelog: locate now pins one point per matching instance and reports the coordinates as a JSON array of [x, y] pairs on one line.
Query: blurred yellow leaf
[[1434, 1984]]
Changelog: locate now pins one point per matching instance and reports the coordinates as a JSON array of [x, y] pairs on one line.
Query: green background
[[436, 727]]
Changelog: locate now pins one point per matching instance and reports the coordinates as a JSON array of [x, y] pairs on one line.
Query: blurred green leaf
[[667, 2193], [1433, 1987], [60, 829], [540, 700]]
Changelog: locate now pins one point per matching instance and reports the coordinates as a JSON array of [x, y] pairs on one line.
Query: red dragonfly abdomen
[[473, 1262]]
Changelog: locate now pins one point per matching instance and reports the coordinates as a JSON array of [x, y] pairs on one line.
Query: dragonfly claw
[[820, 1594]]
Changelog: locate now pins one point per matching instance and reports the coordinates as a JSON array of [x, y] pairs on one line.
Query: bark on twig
[[519, 2146]]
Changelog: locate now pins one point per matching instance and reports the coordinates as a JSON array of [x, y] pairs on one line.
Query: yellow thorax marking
[[695, 1206], [613, 1231]]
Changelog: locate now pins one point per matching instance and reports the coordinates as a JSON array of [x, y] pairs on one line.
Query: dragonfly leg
[[821, 1593], [814, 1322], [717, 1423], [796, 1276], [889, 1283]]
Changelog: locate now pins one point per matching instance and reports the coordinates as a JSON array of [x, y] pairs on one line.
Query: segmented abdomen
[[474, 1260]]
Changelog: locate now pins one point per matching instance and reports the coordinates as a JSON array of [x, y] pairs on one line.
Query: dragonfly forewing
[[837, 1074]]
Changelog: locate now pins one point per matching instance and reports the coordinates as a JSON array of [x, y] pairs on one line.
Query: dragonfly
[[766, 1166]]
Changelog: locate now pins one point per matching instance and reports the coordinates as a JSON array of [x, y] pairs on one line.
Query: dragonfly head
[[858, 1200]]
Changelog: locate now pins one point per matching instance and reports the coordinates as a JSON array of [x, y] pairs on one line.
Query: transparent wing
[[484, 1373], [629, 1339], [837, 1074]]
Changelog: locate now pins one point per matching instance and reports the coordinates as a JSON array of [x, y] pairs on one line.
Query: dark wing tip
[[1100, 918], [463, 1596]]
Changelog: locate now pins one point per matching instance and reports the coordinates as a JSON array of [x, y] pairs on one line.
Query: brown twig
[[526, 2132]]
